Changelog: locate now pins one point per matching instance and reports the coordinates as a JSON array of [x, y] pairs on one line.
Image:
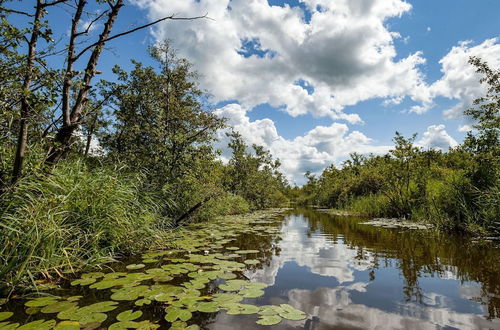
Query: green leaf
[[129, 315], [251, 293], [174, 313], [5, 315], [58, 307], [67, 325], [269, 320], [135, 266], [38, 325], [40, 302], [251, 262]]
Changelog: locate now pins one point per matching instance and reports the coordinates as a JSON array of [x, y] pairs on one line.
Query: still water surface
[[346, 275]]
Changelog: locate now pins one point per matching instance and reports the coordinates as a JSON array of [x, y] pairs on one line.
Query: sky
[[315, 80]]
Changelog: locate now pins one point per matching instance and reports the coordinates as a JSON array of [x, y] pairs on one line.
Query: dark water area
[[344, 275]]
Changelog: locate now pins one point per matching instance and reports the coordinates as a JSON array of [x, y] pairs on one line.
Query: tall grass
[[73, 217]]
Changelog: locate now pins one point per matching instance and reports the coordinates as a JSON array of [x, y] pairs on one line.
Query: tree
[[484, 144], [76, 78], [254, 175], [160, 123]]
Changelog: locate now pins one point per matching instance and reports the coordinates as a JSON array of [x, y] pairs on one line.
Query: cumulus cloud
[[255, 52], [315, 150], [465, 128], [436, 137], [460, 80]]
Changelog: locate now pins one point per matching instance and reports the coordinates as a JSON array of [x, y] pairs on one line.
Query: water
[[344, 275]]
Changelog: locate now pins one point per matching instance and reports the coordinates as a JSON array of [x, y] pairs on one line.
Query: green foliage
[[254, 176], [74, 216], [457, 189]]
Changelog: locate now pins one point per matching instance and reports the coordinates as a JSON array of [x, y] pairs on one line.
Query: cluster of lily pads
[[199, 261]]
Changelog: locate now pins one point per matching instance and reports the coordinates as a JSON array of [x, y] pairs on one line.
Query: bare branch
[[91, 23], [13, 11], [53, 3], [171, 17]]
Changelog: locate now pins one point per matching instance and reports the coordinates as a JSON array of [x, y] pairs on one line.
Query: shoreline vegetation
[[94, 169]]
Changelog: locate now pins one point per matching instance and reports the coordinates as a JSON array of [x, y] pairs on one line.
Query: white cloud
[[460, 80], [465, 128], [317, 149], [345, 52], [436, 137]]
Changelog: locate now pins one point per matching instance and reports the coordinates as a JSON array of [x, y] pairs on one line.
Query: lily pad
[[129, 294], [84, 281], [143, 325], [135, 266], [290, 313], [227, 276], [207, 307], [252, 262], [175, 313], [67, 325], [129, 315], [269, 320], [58, 307], [247, 251], [5, 315], [38, 325], [8, 326], [251, 293], [142, 302], [41, 302], [32, 310]]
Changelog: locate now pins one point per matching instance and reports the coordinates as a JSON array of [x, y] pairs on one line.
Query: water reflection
[[352, 276]]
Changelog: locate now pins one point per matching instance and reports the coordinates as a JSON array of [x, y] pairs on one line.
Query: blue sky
[[313, 80]]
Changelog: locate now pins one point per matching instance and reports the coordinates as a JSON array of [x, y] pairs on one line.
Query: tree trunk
[[22, 140], [62, 141]]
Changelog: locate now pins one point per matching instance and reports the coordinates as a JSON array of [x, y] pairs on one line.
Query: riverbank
[[44, 268]]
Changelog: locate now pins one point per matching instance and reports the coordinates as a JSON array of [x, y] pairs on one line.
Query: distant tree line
[[454, 189]]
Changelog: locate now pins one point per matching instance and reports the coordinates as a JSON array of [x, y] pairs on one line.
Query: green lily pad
[[269, 310], [38, 325], [129, 315], [67, 325], [93, 275], [175, 313], [269, 320], [84, 281], [142, 302], [227, 276], [32, 310], [41, 302], [251, 293], [232, 248], [247, 251], [5, 315], [222, 298], [74, 298], [135, 266], [101, 307], [149, 261], [8, 326], [256, 285], [58, 307], [207, 307], [143, 325], [252, 262], [129, 294], [290, 313]]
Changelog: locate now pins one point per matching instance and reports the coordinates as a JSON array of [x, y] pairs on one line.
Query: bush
[[72, 217]]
